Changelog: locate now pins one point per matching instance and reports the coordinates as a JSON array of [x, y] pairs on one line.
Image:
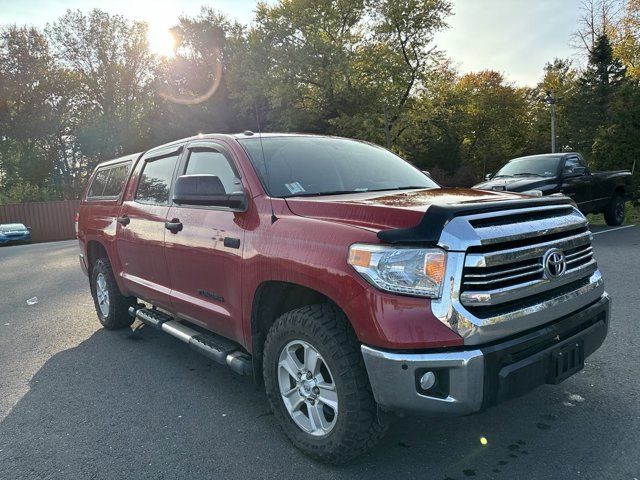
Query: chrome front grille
[[498, 285], [506, 273]]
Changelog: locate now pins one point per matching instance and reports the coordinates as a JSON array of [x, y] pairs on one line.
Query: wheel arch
[[95, 249], [273, 298]]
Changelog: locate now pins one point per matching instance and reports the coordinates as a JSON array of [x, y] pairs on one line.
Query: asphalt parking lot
[[77, 401]]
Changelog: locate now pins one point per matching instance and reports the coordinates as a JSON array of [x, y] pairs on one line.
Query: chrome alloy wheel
[[619, 211], [102, 294], [307, 388]]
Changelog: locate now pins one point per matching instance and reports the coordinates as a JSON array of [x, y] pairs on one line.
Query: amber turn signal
[[359, 258], [434, 266]]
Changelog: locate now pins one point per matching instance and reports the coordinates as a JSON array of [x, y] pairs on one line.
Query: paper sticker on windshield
[[294, 187]]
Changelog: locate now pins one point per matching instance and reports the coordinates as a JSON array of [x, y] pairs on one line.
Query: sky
[[514, 37]]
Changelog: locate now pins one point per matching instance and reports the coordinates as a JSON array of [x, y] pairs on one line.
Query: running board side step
[[214, 346]]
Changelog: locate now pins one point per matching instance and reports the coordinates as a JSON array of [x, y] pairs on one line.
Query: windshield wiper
[[409, 187], [528, 174], [321, 194], [345, 192]]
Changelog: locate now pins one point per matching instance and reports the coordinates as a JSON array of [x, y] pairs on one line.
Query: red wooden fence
[[49, 221]]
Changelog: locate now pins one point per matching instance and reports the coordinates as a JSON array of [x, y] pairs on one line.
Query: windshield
[[535, 165], [12, 227], [308, 166]]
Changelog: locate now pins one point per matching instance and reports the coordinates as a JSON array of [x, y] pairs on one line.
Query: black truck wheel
[[318, 386], [111, 306], [614, 213]]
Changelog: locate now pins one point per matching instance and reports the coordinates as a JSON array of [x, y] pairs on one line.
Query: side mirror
[[29, 228], [576, 172], [207, 190], [488, 176]]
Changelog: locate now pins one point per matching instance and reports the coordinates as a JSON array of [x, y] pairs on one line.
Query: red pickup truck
[[343, 278]]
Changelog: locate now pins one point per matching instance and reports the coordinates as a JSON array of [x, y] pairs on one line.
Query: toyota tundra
[[342, 278]]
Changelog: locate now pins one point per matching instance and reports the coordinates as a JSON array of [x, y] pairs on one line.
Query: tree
[[597, 86], [109, 56], [627, 38], [192, 88], [477, 120], [332, 66], [597, 18], [617, 143], [560, 78], [31, 97], [494, 123], [433, 138]]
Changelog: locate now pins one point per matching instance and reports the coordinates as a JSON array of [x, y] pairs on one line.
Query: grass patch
[[631, 217]]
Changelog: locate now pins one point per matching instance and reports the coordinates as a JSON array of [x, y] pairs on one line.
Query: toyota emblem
[[554, 263]]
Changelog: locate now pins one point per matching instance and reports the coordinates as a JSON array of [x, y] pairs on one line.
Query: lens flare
[[161, 41]]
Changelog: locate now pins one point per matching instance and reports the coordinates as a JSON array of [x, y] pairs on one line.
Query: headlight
[[533, 193], [410, 271]]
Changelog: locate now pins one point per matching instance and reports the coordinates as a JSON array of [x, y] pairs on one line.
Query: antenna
[[264, 162]]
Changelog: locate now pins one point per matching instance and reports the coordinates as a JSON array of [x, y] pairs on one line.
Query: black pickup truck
[[566, 173]]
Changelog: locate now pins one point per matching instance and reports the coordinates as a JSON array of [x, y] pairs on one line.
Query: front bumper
[[15, 239], [469, 380]]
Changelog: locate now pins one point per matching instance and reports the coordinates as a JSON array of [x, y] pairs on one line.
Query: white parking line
[[612, 229]]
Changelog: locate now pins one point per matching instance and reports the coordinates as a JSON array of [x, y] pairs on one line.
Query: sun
[[161, 41]]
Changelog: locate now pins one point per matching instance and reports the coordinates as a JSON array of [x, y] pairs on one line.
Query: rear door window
[[155, 180], [98, 184], [109, 181], [117, 177]]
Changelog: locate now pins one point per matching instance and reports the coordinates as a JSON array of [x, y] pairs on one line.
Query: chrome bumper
[[394, 383], [476, 378]]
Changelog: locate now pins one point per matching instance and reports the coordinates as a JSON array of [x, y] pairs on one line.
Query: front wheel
[[318, 386], [614, 213]]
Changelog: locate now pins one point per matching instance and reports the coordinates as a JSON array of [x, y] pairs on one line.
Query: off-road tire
[[326, 328], [614, 213], [118, 314]]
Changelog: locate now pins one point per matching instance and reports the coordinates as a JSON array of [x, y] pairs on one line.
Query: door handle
[[124, 220], [174, 226]]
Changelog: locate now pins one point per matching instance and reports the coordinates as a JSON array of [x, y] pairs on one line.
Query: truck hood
[[383, 210], [516, 184]]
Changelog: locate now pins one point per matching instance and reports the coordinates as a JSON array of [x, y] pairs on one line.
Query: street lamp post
[[552, 103]]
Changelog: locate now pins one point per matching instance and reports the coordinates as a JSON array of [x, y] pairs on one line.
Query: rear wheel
[[111, 306], [614, 213], [318, 386]]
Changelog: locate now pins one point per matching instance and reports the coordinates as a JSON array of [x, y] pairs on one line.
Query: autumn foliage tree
[[87, 88]]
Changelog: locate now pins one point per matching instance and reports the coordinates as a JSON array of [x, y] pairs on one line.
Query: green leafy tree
[[617, 143], [334, 65], [597, 86], [110, 58], [32, 100], [493, 123], [627, 38], [192, 88], [560, 78]]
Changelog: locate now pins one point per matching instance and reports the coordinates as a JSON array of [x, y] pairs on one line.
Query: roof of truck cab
[[125, 158], [245, 134], [547, 155], [206, 136]]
